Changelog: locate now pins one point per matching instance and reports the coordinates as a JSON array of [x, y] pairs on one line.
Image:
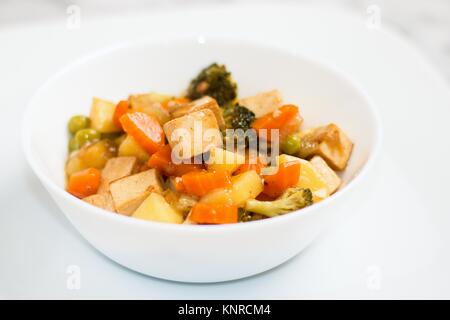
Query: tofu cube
[[331, 178], [151, 104], [200, 104], [335, 148], [193, 134], [116, 168], [262, 103], [129, 192], [103, 201]]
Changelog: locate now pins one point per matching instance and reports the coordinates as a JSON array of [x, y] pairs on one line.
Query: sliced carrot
[[84, 183], [145, 129], [247, 166], [214, 213], [275, 120], [162, 160], [285, 177], [290, 127], [177, 183], [200, 183], [122, 107]]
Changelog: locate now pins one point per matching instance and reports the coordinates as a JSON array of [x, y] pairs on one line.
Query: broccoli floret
[[214, 81], [246, 216], [238, 117], [292, 199], [242, 118]]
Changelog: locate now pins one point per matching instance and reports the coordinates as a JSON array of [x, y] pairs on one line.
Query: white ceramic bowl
[[188, 252]]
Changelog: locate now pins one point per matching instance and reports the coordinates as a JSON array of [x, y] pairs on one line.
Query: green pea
[[292, 144], [73, 145], [86, 135], [77, 123]]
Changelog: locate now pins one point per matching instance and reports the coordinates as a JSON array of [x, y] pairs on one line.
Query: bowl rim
[[373, 155]]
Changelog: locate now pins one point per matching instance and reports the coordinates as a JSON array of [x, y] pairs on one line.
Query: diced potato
[[129, 192], [309, 177], [102, 112], [156, 208], [97, 154], [262, 103], [116, 168], [199, 104], [331, 178], [151, 104], [74, 164], [220, 159], [193, 134], [103, 201], [130, 148], [245, 186], [94, 155], [218, 196]]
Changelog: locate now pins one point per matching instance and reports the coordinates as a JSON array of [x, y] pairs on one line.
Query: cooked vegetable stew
[[204, 157]]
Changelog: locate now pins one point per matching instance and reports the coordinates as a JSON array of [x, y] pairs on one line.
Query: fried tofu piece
[[151, 104], [116, 168], [331, 178], [103, 201], [262, 103], [200, 104], [329, 142], [193, 134], [336, 148], [129, 192]]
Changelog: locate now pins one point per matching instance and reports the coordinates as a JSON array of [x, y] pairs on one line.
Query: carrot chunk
[[214, 213], [275, 120], [162, 161], [200, 183], [84, 183], [177, 183], [145, 129], [286, 176], [121, 108]]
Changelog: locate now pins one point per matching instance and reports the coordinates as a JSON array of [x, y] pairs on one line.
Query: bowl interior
[[323, 95]]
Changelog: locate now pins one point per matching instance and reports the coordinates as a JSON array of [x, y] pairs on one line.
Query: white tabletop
[[426, 23], [395, 246]]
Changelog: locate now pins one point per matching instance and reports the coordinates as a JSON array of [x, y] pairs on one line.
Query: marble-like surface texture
[[426, 23]]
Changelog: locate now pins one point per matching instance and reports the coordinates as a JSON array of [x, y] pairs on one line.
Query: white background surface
[[426, 23], [395, 246]]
